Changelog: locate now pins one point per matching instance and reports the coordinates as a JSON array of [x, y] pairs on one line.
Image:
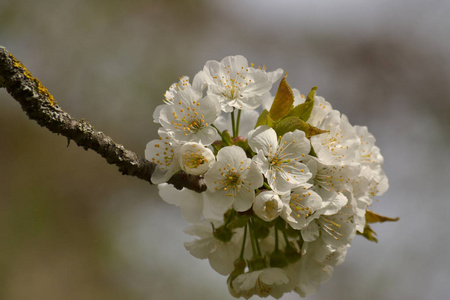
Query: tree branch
[[40, 106]]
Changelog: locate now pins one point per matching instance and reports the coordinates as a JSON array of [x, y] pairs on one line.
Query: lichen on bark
[[39, 105]]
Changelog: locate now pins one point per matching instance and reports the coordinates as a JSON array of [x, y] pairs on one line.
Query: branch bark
[[40, 106]]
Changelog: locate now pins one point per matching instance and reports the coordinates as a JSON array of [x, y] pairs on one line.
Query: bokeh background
[[72, 227]]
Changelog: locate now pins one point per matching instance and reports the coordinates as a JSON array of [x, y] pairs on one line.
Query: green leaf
[[311, 94], [264, 119], [282, 104], [289, 124], [303, 111], [368, 234], [372, 217]]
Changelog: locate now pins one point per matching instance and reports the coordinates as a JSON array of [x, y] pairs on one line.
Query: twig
[[40, 106]]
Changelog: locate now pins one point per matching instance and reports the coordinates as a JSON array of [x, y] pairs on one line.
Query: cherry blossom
[[235, 83], [281, 162], [234, 178], [280, 210]]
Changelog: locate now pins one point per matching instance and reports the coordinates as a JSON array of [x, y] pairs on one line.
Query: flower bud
[[223, 234], [257, 263], [278, 260], [267, 205], [195, 158]]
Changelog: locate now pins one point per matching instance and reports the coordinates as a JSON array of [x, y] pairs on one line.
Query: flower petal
[[263, 138]]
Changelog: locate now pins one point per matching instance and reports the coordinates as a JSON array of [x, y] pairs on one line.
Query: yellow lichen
[[41, 89]]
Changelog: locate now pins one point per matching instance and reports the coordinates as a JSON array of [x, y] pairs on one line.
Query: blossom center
[[330, 227], [231, 183], [233, 180], [298, 207], [271, 208], [164, 154], [194, 160], [277, 161], [333, 143], [233, 86], [327, 177], [194, 124]]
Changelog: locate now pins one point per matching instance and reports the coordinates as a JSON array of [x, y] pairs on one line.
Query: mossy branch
[[40, 106]]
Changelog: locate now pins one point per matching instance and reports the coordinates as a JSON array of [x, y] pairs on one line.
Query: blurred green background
[[72, 227]]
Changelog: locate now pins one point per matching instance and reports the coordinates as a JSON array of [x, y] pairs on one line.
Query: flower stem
[[215, 148], [230, 217], [286, 239], [255, 237], [237, 122], [218, 131], [241, 256], [276, 239], [252, 238], [233, 125]]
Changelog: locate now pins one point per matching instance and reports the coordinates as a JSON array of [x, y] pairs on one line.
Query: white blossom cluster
[[284, 198]]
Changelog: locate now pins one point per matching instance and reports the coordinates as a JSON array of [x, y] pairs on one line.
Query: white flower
[[189, 118], [370, 154], [267, 205], [362, 200], [333, 177], [340, 144], [266, 282], [233, 178], [311, 275], [303, 203], [182, 84], [170, 94], [370, 183], [194, 206], [280, 163], [321, 252], [320, 109], [190, 202], [163, 153], [336, 230], [337, 256], [372, 180], [235, 83], [332, 203], [195, 158], [221, 255], [312, 269], [378, 181]]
